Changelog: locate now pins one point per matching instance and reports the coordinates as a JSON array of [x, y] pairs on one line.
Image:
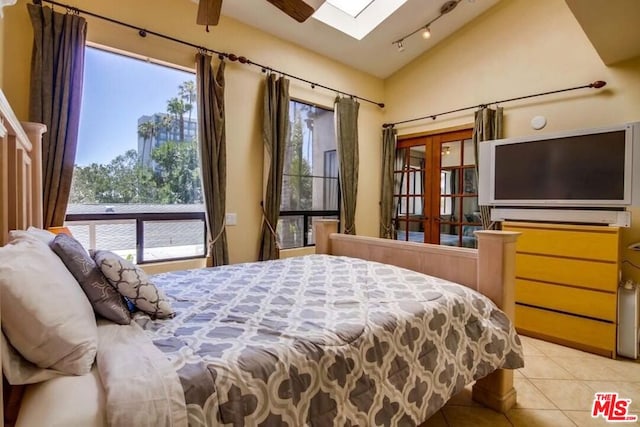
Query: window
[[310, 176], [136, 184]]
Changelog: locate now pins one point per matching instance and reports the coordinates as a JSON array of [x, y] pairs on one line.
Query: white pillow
[[45, 314], [44, 236]]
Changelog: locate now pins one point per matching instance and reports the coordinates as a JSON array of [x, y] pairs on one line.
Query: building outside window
[[310, 177], [136, 187]]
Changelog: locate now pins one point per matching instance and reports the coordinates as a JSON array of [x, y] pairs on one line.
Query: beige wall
[[243, 94], [517, 48]]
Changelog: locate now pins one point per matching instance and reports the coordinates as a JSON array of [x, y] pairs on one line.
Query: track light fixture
[[426, 28]]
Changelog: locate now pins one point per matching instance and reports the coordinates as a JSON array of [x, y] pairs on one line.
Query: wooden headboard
[[20, 197]]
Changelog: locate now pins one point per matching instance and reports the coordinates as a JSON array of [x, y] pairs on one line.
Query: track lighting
[[426, 28]]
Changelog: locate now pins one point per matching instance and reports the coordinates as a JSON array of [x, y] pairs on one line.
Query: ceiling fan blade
[[209, 12], [297, 9]]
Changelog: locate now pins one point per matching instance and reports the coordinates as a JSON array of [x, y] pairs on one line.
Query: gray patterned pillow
[[105, 300], [134, 284]]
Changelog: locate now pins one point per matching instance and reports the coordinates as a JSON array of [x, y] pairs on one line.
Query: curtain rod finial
[[381, 104], [598, 84]]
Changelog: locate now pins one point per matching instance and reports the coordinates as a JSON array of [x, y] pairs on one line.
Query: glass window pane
[[118, 236], [311, 227], [469, 153], [310, 175], [173, 239], [291, 231], [401, 231]]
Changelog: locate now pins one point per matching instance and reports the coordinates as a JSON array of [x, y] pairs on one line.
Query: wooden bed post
[[323, 229], [496, 280]]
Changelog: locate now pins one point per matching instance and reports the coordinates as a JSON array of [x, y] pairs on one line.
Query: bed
[[275, 343]]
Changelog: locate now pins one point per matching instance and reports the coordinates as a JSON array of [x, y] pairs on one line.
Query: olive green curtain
[[488, 126], [346, 113], [275, 132], [387, 205], [213, 154], [57, 67]]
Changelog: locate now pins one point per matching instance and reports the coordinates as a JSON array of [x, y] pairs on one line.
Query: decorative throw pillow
[[106, 301], [45, 315], [134, 284]]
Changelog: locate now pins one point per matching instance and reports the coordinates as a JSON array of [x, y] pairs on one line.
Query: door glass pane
[[470, 209], [451, 154], [401, 231], [415, 231], [468, 236], [449, 182], [469, 153], [446, 208], [470, 181], [455, 214], [417, 157], [449, 234], [400, 159]]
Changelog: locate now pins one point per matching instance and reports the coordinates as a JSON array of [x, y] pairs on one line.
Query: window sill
[[166, 266], [293, 252]]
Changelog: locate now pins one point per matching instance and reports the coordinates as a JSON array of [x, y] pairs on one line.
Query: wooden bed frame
[[490, 269]]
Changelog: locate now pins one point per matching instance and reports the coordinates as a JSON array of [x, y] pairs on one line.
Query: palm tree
[[147, 131], [187, 92], [176, 107]]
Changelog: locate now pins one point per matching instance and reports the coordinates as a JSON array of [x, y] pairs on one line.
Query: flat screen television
[[584, 168]]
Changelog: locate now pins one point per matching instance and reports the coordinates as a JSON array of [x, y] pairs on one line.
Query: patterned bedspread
[[322, 341]]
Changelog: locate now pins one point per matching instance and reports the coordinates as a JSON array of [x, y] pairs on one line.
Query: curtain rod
[[597, 85], [232, 57]]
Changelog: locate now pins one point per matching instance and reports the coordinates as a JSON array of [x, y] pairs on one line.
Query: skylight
[[351, 7], [356, 18]]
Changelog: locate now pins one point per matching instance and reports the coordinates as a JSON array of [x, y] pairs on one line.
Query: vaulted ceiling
[[375, 53]]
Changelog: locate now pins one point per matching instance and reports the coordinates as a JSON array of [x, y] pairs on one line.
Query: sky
[[117, 91]]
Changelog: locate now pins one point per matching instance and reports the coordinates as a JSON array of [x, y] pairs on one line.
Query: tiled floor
[[556, 388]]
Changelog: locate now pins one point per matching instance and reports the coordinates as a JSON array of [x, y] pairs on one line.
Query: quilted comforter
[[323, 341]]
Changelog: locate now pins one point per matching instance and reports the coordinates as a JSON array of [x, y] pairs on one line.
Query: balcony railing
[[143, 237]]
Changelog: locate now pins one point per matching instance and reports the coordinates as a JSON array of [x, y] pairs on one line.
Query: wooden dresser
[[567, 283]]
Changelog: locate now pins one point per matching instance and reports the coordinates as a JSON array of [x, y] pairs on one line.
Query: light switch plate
[[231, 219]]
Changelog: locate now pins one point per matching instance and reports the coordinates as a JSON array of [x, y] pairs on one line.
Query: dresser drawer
[[599, 305], [577, 330], [586, 274], [587, 242]]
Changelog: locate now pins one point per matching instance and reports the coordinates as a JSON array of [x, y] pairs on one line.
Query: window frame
[[306, 214], [141, 218]]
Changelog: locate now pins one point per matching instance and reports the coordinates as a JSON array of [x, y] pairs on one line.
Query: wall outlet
[[231, 219]]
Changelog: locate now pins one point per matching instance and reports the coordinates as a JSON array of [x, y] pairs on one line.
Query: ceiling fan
[[300, 10]]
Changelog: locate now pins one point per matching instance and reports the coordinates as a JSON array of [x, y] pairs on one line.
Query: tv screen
[[583, 167]]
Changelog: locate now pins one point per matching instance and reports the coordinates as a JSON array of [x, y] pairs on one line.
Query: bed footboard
[[490, 270]]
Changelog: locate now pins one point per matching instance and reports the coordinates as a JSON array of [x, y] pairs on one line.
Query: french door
[[437, 189]]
